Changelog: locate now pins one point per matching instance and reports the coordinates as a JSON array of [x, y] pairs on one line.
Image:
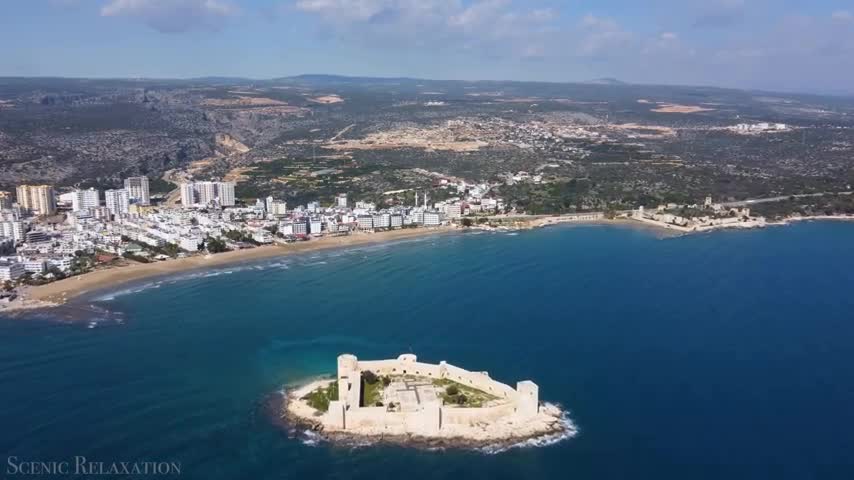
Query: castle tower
[[349, 380], [529, 398]]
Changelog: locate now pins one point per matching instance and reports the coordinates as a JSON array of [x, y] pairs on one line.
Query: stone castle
[[418, 408]]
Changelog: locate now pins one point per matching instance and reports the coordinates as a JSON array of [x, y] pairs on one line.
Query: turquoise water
[[729, 355]]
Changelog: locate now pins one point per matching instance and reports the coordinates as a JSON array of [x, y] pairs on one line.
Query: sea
[[727, 355]]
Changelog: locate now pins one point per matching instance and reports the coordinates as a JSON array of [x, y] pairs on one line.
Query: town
[[46, 236]]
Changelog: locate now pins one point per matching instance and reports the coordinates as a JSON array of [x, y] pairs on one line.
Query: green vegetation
[[458, 394], [372, 389], [216, 245], [158, 185], [319, 399]]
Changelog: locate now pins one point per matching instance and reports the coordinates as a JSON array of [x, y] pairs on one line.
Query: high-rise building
[[37, 199], [83, 199], [204, 193], [5, 201], [117, 201], [342, 200], [14, 229], [137, 188], [188, 194]]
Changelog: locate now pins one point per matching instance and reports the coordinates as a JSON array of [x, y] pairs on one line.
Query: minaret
[[416, 198], [425, 199]]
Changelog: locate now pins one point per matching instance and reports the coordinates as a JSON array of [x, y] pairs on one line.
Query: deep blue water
[[720, 356]]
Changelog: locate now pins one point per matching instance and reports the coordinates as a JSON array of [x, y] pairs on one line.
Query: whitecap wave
[[570, 430]]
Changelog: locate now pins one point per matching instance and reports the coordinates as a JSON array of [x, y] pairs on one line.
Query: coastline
[[60, 292]]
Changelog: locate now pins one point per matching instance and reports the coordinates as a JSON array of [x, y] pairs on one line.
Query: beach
[[59, 292]]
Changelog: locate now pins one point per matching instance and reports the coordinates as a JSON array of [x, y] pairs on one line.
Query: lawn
[[456, 393], [319, 399]]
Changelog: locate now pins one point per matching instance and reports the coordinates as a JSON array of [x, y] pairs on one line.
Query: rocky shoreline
[[312, 431]]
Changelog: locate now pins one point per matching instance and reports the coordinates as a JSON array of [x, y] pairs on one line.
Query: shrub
[[461, 399], [386, 381], [452, 390], [370, 377]]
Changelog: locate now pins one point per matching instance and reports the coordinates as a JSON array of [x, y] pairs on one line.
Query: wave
[[570, 430]]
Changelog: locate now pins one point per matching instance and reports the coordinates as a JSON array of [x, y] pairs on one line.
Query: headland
[[412, 403]]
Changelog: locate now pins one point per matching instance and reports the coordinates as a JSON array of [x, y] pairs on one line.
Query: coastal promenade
[[59, 292]]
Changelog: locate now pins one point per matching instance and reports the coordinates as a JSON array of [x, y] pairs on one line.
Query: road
[[751, 201]]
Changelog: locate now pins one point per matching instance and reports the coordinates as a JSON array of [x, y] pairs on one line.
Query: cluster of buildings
[[207, 193], [45, 234], [708, 216], [762, 127]]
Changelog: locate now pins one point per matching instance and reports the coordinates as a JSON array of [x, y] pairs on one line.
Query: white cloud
[[172, 16], [500, 27], [602, 37], [843, 16]]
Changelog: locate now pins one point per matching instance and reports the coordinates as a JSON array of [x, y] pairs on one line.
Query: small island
[[409, 402]]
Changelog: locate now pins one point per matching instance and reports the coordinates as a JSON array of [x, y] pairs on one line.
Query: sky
[[785, 45]]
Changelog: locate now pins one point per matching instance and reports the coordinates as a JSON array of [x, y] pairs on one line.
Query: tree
[[467, 222], [216, 245], [370, 377], [452, 390]]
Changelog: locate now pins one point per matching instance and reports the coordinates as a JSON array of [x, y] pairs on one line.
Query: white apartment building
[[205, 193], [85, 199], [286, 228], [37, 199], [341, 200], [117, 201], [315, 226], [454, 210], [13, 229], [365, 222], [190, 244], [34, 265], [382, 220], [396, 221], [11, 271], [276, 207], [432, 219], [137, 188], [300, 228]]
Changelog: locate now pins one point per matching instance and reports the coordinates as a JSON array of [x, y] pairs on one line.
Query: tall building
[[137, 188], [14, 229], [204, 193], [342, 200], [207, 192], [188, 194], [5, 201], [83, 199], [37, 199], [117, 201]]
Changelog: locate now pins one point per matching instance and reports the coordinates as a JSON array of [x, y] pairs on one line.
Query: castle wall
[[346, 413], [479, 380]]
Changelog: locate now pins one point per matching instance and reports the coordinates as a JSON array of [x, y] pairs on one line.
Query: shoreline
[[290, 414], [61, 292], [58, 293]]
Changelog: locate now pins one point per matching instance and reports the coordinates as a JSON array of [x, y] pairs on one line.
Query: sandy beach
[[59, 292]]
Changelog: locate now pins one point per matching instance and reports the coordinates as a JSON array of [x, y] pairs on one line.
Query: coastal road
[[751, 201]]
